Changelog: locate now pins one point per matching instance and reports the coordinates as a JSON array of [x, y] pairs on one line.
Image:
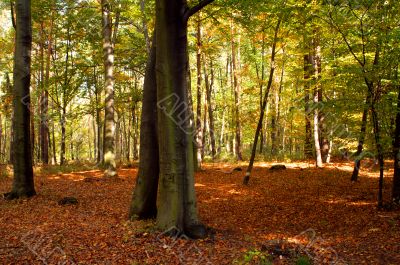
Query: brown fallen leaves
[[282, 216]]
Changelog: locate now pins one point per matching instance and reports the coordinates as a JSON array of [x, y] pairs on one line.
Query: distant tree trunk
[[109, 124], [275, 123], [396, 154], [307, 75], [209, 89], [199, 125], [54, 144], [23, 183], [361, 139], [246, 179], [44, 126], [379, 148], [1, 139], [63, 135], [236, 87], [317, 86], [143, 204]]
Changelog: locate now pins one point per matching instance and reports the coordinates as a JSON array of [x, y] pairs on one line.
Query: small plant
[[303, 260], [255, 257]]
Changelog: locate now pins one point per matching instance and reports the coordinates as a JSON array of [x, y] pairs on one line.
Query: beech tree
[[23, 184], [176, 207]]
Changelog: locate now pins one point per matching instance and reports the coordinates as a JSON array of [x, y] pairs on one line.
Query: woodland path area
[[300, 211]]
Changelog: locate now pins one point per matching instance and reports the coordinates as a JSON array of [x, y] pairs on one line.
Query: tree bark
[[23, 183], [109, 124], [177, 200], [361, 139], [236, 87], [144, 197], [199, 125], [209, 89], [396, 155], [307, 75]]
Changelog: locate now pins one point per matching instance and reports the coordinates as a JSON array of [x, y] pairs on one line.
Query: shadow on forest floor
[[301, 213]]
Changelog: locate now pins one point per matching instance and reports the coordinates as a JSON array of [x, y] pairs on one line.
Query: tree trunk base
[[13, 195]]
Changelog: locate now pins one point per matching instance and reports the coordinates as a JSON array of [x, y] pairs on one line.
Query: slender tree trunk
[[199, 125], [307, 76], [63, 135], [246, 179], [109, 124], [44, 126], [1, 140], [317, 87], [361, 139], [396, 155], [23, 183], [236, 86], [209, 89]]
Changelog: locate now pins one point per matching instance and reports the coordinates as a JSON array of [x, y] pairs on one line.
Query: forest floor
[[300, 215]]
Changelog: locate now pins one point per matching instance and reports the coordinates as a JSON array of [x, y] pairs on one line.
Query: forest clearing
[[279, 214]]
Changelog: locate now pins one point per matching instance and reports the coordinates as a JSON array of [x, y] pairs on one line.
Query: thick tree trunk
[[246, 179], [144, 198], [396, 155], [23, 184], [109, 124], [177, 200]]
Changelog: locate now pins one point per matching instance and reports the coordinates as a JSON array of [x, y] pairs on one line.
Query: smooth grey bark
[[177, 199], [317, 87], [109, 123], [23, 182]]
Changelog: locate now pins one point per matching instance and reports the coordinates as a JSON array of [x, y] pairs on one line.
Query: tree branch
[[191, 11]]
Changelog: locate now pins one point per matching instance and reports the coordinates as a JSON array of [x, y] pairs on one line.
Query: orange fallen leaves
[[271, 213]]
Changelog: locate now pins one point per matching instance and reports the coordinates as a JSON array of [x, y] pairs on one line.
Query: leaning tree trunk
[[361, 139], [144, 198], [396, 154], [246, 179], [109, 124], [23, 185]]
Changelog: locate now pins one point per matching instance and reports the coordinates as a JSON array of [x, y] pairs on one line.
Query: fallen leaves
[[251, 223]]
